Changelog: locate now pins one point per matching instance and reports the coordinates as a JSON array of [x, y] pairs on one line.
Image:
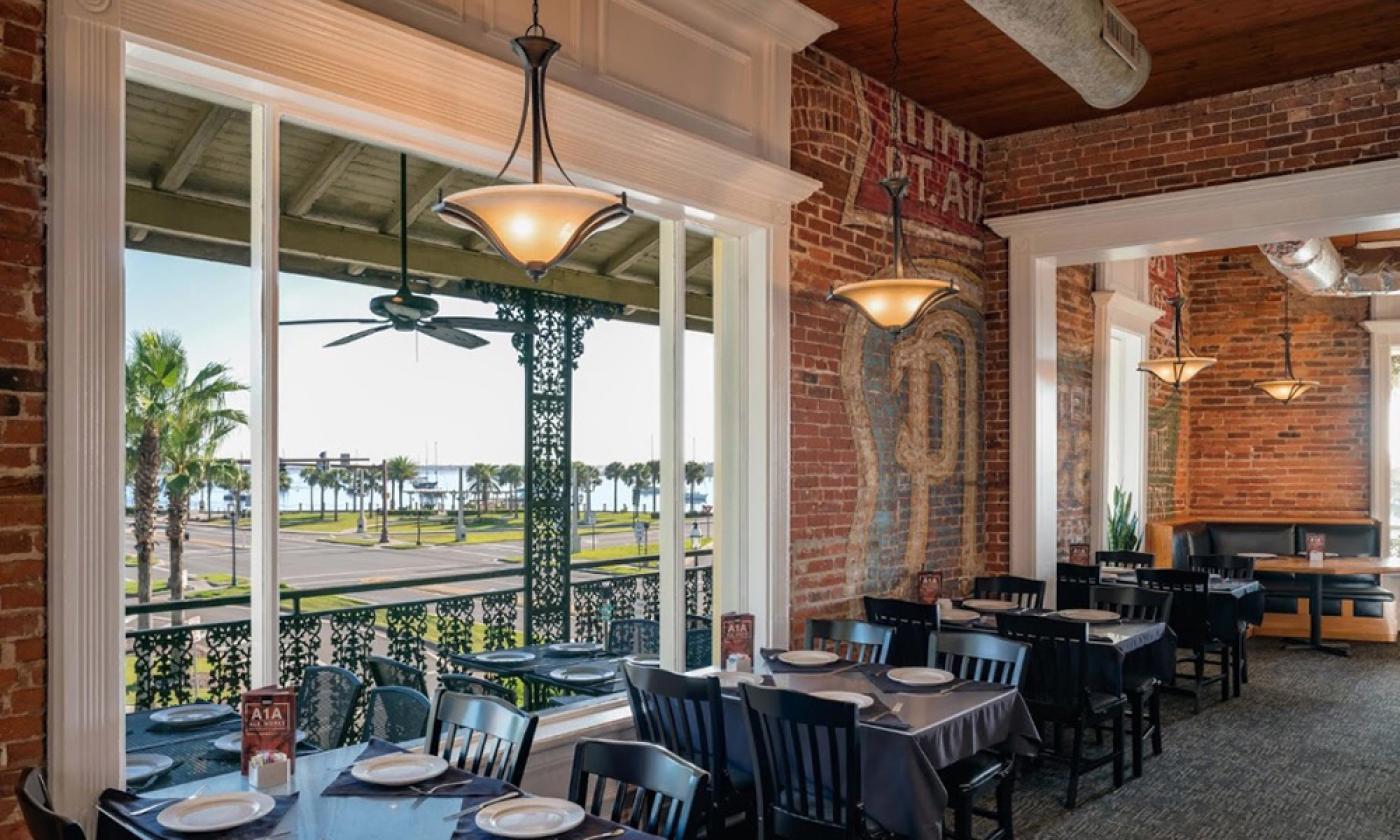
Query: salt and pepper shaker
[[738, 662]]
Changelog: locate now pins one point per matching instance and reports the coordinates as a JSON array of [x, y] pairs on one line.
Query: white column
[[671, 539], [1033, 419], [768, 431], [85, 407], [1385, 334], [731, 518]]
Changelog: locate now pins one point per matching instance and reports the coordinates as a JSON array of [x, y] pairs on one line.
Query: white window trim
[[1385, 338], [278, 55]]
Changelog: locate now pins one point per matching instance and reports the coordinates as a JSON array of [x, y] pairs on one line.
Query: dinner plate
[[573, 648], [143, 766], [730, 679], [529, 817], [505, 657], [588, 673], [398, 769], [919, 676], [988, 605], [861, 701], [1258, 555], [955, 614], [645, 660], [195, 714], [216, 811], [233, 741], [807, 658], [1091, 616]]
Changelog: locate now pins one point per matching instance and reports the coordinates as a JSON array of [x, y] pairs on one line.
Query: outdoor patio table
[[535, 672], [899, 766], [192, 750]]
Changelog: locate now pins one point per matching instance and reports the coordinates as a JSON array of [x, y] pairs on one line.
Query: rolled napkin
[[481, 786], [120, 805]]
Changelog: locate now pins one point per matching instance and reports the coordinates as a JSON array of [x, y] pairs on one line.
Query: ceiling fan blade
[[483, 324], [332, 321], [359, 335], [452, 336]]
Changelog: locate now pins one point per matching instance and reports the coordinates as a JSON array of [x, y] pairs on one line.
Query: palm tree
[[158, 387], [615, 472], [511, 476], [231, 476], [483, 477], [313, 475], [694, 474], [191, 438], [401, 469], [585, 479], [653, 474], [636, 476], [336, 480], [284, 479]]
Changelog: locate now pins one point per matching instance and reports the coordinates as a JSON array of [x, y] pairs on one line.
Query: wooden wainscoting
[[1345, 627]]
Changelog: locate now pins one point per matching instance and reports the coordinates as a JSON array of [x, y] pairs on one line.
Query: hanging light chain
[[896, 161], [535, 28]]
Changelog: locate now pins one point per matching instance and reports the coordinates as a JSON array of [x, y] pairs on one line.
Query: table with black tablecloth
[[535, 673], [191, 748], [1230, 604]]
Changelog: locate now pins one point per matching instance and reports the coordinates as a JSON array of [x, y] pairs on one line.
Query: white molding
[[769, 431], [86, 452], [670, 537], [1033, 414], [1385, 336], [789, 23], [1127, 313]]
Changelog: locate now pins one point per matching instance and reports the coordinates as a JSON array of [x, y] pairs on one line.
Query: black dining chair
[[480, 686], [385, 672], [1227, 566], [396, 713], [805, 791], [1072, 582], [484, 735], [1123, 559], [686, 716], [326, 703], [1135, 603], [857, 641], [633, 636], [1024, 592], [1058, 691], [44, 823], [1190, 620], [699, 641], [912, 623], [642, 786], [977, 656]]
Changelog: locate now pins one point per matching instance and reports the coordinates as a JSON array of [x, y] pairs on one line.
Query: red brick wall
[[21, 396], [1074, 369], [1248, 453]]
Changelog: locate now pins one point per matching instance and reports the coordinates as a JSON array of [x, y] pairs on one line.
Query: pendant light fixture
[[896, 297], [1180, 367], [534, 225], [1290, 387]]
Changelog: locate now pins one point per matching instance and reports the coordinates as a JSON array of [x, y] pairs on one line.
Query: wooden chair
[[857, 641], [484, 735], [1134, 603], [1124, 559], [1072, 582], [976, 656], [1190, 620], [479, 686], [649, 787], [44, 823], [1058, 691], [686, 716], [912, 623], [388, 672], [804, 792], [1024, 592], [326, 703], [396, 713], [1228, 566]]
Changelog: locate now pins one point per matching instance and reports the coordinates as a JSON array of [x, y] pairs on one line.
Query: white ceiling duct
[[1316, 267], [1087, 43]]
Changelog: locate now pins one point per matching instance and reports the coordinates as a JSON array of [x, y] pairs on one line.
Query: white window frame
[[278, 55], [1385, 341]]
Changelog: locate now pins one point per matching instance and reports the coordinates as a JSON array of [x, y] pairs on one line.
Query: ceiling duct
[[1316, 267], [1087, 43]]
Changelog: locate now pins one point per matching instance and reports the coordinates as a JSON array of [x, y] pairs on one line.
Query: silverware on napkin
[[163, 803], [616, 832], [477, 807]]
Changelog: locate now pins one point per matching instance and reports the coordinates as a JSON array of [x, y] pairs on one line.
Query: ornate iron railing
[[211, 661]]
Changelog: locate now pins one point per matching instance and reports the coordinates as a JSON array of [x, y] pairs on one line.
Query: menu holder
[[269, 724], [928, 586], [1079, 554], [1317, 548], [736, 635]]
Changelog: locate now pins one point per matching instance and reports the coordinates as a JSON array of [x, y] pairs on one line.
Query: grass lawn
[[157, 586]]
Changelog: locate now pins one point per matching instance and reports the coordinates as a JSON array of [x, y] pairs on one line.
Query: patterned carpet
[[1310, 749]]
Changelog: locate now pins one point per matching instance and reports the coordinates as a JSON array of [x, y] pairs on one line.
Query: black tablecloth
[[1231, 604], [481, 787], [591, 826], [120, 804], [192, 750]]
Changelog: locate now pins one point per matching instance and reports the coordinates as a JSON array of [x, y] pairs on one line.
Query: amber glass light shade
[[1176, 370], [1286, 390], [894, 303]]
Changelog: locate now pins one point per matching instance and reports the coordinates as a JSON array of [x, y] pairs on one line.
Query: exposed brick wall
[[1168, 408], [1248, 453], [1074, 374], [21, 397]]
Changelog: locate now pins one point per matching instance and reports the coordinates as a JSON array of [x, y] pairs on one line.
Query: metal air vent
[[1119, 34]]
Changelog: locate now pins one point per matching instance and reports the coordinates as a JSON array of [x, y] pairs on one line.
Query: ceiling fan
[[406, 312]]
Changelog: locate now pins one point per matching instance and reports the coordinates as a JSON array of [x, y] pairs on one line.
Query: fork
[[435, 788], [477, 807], [162, 804], [616, 832]]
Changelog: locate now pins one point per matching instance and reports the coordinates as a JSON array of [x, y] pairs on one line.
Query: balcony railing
[[210, 661]]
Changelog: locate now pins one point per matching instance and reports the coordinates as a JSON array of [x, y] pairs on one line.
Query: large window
[[1126, 432]]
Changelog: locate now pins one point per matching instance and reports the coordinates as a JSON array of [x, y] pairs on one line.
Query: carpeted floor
[[1310, 749]]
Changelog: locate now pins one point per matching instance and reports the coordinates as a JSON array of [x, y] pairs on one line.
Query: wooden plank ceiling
[[960, 65]]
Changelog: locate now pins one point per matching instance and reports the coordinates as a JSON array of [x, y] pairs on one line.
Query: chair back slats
[[1124, 559], [683, 714], [395, 713], [807, 764], [912, 623], [1228, 566], [43, 822], [326, 703], [1190, 616], [390, 672], [485, 735], [858, 641], [1057, 679], [1133, 603], [633, 636], [651, 788], [976, 656], [1072, 582], [1024, 592]]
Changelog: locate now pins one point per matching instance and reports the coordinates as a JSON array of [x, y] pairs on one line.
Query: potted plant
[[1122, 523]]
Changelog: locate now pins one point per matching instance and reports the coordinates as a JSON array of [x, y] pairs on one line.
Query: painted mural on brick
[[1167, 408], [1074, 369]]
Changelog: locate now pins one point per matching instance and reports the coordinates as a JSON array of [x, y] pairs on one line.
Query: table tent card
[[1317, 548], [1079, 554], [736, 635], [269, 724], [928, 586]]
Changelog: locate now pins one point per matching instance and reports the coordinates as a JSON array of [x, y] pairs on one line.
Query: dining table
[[191, 749], [537, 671], [1316, 571], [901, 752], [1231, 604]]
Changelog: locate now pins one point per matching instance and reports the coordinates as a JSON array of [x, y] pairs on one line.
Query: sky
[[401, 394]]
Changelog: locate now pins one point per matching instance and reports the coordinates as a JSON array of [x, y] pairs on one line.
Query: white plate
[[861, 701], [988, 605], [529, 817], [398, 769], [645, 660], [197, 714], [808, 658], [730, 679], [233, 741], [143, 766], [574, 648], [955, 614], [216, 811], [505, 657], [1091, 616], [920, 676], [584, 673]]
